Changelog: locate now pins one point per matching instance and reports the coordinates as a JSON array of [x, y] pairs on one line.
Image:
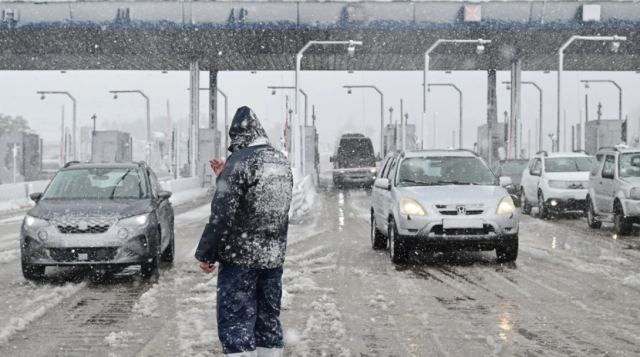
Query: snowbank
[[304, 193]]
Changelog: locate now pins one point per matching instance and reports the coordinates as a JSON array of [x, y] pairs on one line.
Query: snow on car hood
[[567, 176], [51, 208], [454, 194]]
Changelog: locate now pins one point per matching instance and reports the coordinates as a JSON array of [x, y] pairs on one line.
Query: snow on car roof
[[453, 152]]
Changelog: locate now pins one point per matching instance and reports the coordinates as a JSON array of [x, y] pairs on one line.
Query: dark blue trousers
[[249, 308]]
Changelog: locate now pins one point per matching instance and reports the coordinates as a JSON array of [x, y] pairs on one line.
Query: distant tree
[[11, 124]]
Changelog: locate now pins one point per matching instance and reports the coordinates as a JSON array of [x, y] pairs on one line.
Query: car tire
[[525, 206], [542, 207], [32, 272], [378, 240], [151, 267], [397, 248], [507, 252], [170, 252], [592, 222], [621, 225]]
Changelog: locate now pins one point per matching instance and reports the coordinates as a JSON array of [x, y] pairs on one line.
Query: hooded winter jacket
[[249, 212]]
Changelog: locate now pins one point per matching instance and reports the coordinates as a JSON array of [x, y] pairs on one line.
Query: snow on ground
[[10, 255], [181, 197], [41, 300]]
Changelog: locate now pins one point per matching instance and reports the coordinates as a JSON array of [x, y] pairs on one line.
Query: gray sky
[[337, 112]]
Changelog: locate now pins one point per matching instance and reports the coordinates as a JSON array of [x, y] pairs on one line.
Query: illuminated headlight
[[506, 206], [557, 184], [409, 207], [373, 170], [135, 221], [634, 194], [34, 222]]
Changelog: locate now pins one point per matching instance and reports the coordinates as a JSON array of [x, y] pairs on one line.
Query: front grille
[[452, 210], [93, 254], [486, 229], [73, 225]]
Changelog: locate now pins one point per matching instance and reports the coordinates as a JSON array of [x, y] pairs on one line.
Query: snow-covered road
[[572, 292]]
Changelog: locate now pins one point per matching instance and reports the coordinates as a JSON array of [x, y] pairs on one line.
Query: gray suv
[[444, 200]]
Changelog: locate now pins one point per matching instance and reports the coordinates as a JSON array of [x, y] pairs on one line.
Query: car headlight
[[557, 184], [634, 193], [409, 207], [135, 221], [373, 170], [506, 206], [35, 222]]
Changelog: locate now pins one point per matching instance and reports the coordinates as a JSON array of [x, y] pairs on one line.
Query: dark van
[[354, 161]]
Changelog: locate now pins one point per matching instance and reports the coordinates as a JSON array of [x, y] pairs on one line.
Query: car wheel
[[526, 207], [591, 216], [621, 225], [397, 249], [170, 252], [508, 251], [378, 240], [150, 268], [32, 272], [542, 207]]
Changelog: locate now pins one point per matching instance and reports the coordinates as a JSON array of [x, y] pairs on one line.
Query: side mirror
[[379, 157], [331, 159], [36, 197], [164, 195], [534, 172], [505, 181], [382, 183]]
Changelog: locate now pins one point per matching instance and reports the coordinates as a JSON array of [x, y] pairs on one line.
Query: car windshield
[[445, 170], [513, 167], [97, 183], [629, 164], [568, 164]]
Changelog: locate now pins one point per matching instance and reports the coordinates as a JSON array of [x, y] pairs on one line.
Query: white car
[[555, 183], [442, 200], [614, 189]]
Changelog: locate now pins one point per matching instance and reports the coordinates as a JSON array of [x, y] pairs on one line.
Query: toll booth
[[601, 133], [22, 154], [490, 151], [392, 139], [209, 148], [111, 146]]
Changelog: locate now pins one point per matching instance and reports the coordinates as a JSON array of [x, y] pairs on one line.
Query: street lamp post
[[586, 85], [146, 98], [351, 50], [540, 96], [615, 44], [460, 105], [304, 94], [427, 57], [349, 87], [73, 125]]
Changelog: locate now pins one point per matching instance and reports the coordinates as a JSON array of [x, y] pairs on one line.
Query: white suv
[[555, 182], [614, 189]]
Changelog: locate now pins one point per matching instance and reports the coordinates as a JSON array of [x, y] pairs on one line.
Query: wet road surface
[[572, 292]]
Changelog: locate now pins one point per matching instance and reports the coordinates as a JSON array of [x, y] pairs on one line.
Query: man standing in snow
[[247, 236]]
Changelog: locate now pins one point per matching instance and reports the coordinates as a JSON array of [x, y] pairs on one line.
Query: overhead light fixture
[[349, 91], [42, 96], [615, 46], [480, 49], [115, 96], [273, 92]]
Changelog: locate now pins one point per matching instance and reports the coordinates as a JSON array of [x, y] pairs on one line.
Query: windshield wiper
[[443, 182], [416, 182], [115, 187]]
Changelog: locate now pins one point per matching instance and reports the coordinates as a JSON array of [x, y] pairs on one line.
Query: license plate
[[461, 223], [83, 256]]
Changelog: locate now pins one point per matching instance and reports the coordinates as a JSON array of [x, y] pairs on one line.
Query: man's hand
[[207, 267], [217, 166]]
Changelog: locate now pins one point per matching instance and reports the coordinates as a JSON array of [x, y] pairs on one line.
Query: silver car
[[442, 200]]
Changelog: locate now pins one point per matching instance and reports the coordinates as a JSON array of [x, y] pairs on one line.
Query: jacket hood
[[245, 129]]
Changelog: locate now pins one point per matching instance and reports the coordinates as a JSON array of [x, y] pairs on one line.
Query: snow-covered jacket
[[249, 212]]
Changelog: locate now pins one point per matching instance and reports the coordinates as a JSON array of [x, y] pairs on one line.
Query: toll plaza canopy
[[251, 35]]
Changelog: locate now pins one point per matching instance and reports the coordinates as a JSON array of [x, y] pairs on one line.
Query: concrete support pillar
[[194, 116], [213, 111], [514, 121], [492, 111]]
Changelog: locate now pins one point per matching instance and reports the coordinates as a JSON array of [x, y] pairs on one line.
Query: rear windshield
[[568, 164], [356, 152], [97, 183]]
